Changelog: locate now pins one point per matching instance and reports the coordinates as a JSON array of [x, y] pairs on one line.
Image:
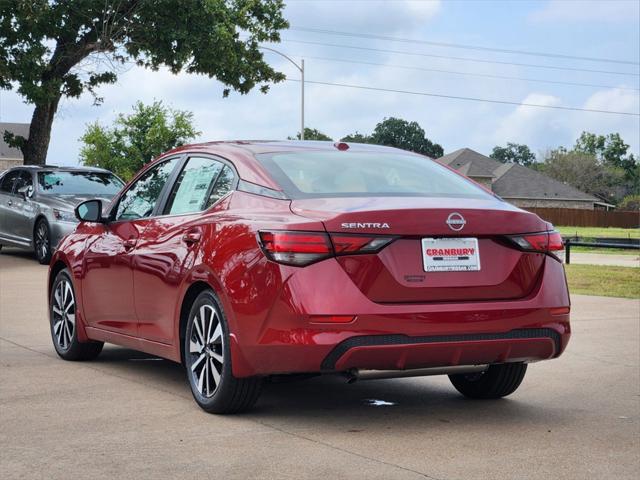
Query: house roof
[[469, 162], [511, 180], [21, 129]]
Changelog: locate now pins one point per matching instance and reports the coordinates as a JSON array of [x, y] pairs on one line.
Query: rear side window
[[223, 185], [327, 174], [201, 183]]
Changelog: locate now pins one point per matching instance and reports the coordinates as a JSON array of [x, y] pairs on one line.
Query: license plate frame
[[450, 254]]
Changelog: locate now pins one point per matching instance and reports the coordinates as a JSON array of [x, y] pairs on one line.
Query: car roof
[[242, 154], [66, 168], [272, 146], [55, 168]]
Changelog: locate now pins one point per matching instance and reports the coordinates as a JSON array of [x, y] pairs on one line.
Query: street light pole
[[302, 101], [301, 69]]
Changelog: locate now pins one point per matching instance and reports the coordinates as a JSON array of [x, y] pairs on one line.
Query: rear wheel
[[497, 381], [62, 317], [42, 242], [208, 361]]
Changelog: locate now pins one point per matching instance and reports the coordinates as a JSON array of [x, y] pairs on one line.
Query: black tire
[[42, 242], [62, 320], [495, 382], [207, 360]]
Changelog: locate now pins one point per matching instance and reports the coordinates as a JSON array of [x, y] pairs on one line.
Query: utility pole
[[301, 69]]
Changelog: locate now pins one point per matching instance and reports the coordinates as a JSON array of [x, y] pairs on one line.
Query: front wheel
[[208, 361], [42, 242], [63, 320], [497, 381]]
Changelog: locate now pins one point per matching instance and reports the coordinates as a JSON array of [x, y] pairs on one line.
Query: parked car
[[37, 202], [245, 260]]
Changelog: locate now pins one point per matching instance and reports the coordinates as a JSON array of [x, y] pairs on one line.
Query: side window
[[191, 191], [223, 185], [9, 181], [24, 181], [140, 200]]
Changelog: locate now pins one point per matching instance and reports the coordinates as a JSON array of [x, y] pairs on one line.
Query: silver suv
[[37, 203]]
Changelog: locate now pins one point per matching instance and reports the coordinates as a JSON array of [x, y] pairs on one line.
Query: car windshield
[[360, 174], [78, 183]]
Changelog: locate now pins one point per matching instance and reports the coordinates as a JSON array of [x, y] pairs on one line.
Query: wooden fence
[[588, 218]]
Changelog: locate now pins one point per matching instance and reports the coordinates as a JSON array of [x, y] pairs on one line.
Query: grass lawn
[[592, 232], [605, 281]]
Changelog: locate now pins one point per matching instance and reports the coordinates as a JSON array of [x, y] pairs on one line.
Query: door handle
[[10, 203], [130, 243], [191, 237]]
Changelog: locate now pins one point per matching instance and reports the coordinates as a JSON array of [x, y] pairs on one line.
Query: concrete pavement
[[581, 258], [129, 415]]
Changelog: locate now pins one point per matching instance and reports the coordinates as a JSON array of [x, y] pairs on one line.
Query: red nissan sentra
[[244, 260]]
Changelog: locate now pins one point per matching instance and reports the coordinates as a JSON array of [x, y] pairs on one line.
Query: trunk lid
[[396, 274]]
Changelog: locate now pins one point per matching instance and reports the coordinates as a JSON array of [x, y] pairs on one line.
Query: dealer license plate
[[450, 254]]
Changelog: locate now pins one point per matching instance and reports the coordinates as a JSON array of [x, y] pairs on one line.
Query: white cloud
[[372, 16], [587, 10], [531, 125], [615, 100], [546, 128]]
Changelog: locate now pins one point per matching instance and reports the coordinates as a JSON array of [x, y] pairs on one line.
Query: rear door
[[10, 206], [23, 209], [170, 243]]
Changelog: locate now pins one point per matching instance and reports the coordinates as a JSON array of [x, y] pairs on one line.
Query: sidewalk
[[580, 258]]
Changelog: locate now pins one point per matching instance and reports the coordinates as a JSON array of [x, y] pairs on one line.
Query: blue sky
[[602, 29]]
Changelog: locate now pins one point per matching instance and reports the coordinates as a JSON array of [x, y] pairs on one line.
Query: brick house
[[520, 185], [9, 156]]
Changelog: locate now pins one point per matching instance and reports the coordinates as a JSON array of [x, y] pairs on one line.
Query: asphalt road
[[131, 416]]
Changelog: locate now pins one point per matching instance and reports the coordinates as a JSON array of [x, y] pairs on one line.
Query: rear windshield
[[340, 174], [78, 183]]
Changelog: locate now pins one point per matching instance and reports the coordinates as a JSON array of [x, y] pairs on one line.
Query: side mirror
[[26, 192], [90, 211]]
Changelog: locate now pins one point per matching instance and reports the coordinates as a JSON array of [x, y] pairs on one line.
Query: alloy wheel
[[63, 314], [42, 240], [206, 349]]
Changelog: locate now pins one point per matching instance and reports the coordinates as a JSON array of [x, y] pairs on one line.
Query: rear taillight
[[346, 244], [296, 248], [304, 248], [543, 242]]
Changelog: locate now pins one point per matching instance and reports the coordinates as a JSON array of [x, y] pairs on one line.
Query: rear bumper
[[396, 337], [399, 352]]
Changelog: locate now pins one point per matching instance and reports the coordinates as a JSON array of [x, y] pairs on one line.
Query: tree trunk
[[35, 149]]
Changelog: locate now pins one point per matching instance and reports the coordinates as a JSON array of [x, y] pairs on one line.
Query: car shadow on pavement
[[19, 253], [330, 400]]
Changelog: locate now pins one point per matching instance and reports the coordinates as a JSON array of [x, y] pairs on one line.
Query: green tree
[[614, 154], [630, 202], [582, 171], [311, 134], [396, 132], [356, 138], [609, 149], [514, 153], [136, 139], [51, 49]]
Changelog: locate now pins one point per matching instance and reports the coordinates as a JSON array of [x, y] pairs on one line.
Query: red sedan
[[244, 260]]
